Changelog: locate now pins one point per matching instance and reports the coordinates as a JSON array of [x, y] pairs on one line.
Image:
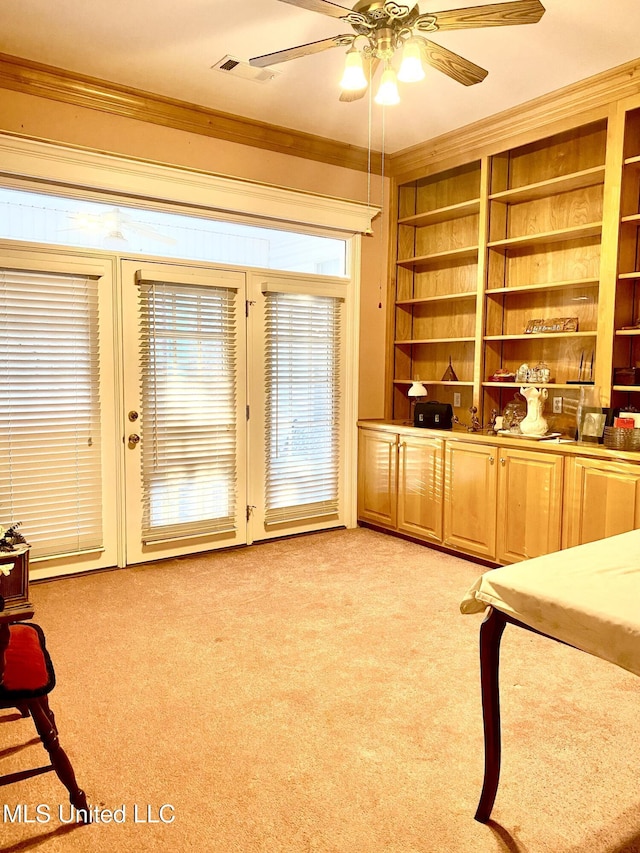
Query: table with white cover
[[587, 597]]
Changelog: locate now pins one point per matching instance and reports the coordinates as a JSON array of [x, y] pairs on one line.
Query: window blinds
[[303, 406], [50, 472], [189, 420]]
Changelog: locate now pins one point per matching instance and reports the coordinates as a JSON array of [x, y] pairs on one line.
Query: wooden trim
[[64, 166], [46, 81], [579, 103]]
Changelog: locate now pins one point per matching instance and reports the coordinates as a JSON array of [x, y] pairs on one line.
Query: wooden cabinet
[[601, 499], [377, 476], [420, 486], [529, 521], [400, 482], [470, 498]]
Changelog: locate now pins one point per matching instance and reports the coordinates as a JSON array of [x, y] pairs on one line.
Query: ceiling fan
[[381, 27]]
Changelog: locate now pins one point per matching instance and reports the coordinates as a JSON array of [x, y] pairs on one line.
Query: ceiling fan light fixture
[[387, 94], [411, 70], [353, 77]]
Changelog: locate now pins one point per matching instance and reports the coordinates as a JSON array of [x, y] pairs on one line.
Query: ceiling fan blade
[[493, 15], [454, 66], [325, 7], [300, 50], [369, 66]]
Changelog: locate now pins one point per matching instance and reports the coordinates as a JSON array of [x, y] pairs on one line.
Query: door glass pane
[[189, 421], [303, 406], [50, 443]]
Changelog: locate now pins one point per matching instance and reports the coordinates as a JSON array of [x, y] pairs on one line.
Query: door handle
[[133, 440]]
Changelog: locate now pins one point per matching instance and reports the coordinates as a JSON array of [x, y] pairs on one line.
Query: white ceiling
[[168, 47]]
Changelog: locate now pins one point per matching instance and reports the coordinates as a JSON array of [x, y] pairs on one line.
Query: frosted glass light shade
[[417, 389], [353, 77], [411, 70], [388, 92]]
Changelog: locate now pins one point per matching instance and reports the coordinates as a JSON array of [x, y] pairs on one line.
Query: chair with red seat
[[26, 679]]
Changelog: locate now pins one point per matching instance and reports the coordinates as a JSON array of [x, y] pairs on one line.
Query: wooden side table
[[14, 587]]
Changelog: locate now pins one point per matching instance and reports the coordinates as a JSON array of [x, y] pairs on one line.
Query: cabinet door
[[377, 484], [470, 498], [529, 504], [420, 487], [601, 499]]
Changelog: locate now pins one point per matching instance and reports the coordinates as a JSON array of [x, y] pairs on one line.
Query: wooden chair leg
[[490, 636], [42, 717]]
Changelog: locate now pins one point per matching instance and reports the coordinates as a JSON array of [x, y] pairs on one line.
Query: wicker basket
[[618, 438]]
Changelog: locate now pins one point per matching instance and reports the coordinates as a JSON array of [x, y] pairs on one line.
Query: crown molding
[[590, 98], [46, 81]]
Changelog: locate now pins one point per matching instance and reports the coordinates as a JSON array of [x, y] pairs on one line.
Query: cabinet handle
[[491, 460], [503, 461]]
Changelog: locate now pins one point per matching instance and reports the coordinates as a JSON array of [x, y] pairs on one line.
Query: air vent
[[239, 68]]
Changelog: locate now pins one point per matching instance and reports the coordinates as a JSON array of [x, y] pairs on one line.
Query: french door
[[151, 410], [184, 431], [59, 458]]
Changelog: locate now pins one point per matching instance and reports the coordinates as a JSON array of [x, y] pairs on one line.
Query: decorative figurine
[[449, 374], [492, 429], [475, 425], [534, 423]]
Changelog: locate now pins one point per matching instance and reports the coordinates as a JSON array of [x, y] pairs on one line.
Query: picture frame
[[592, 424]]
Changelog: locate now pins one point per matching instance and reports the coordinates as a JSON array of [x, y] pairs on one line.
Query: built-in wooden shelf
[[537, 335], [627, 333], [551, 285], [592, 229], [537, 384], [435, 341], [631, 388], [433, 382], [633, 161], [447, 297], [443, 214], [565, 183], [629, 276], [468, 253]]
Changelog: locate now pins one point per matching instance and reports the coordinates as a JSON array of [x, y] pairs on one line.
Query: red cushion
[[27, 667]]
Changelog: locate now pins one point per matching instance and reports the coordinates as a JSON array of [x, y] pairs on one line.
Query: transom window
[[40, 218]]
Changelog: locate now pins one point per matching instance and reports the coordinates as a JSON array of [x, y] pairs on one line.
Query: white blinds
[[50, 457], [189, 421], [303, 406]]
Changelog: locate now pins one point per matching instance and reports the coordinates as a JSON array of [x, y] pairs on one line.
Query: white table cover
[[587, 596]]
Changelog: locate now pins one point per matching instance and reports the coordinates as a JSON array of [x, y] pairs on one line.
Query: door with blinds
[[58, 452], [185, 409], [297, 401]]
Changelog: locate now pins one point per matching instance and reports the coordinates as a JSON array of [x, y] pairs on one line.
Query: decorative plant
[[10, 537]]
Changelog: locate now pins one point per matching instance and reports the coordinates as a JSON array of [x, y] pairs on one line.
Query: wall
[[41, 118]]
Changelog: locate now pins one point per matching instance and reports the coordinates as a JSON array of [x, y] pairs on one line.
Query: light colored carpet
[[319, 695]]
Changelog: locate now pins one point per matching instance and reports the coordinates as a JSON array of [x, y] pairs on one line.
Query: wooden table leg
[[42, 718], [490, 636]]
